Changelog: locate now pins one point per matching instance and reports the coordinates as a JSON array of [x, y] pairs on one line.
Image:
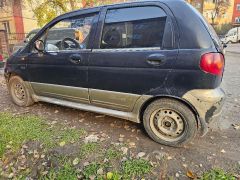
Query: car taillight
[[212, 63]]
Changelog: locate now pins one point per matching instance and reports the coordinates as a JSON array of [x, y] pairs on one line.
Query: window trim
[[127, 49]]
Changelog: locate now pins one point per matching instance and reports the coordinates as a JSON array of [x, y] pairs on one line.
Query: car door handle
[[156, 59], [75, 58]]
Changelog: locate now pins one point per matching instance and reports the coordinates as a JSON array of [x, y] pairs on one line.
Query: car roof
[[126, 3]]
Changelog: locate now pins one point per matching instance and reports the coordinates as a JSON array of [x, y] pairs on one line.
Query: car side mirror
[[39, 45]]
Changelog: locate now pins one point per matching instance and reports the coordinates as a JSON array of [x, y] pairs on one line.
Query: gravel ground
[[219, 148]]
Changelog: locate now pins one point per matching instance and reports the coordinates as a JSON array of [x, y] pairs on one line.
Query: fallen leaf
[[109, 175], [141, 154], [223, 151], [62, 143], [191, 175], [75, 161], [236, 126], [177, 175], [100, 171]]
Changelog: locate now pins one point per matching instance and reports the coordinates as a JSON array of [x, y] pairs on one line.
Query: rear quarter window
[[137, 27]]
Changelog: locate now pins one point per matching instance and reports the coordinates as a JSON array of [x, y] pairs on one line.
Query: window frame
[[46, 33], [170, 32], [238, 7], [125, 23], [79, 13]]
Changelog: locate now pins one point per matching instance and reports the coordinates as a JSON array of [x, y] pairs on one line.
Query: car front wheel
[[170, 122], [19, 93]]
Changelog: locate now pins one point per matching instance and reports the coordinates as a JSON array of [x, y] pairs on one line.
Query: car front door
[[132, 56], [61, 71]]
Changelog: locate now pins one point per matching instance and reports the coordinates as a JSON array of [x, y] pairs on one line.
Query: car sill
[[88, 107]]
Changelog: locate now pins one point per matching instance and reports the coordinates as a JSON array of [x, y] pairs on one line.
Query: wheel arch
[[149, 101], [8, 75]]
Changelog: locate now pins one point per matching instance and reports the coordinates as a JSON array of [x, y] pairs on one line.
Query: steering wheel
[[73, 41]]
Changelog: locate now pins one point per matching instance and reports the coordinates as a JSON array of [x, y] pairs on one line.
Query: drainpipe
[[18, 19]]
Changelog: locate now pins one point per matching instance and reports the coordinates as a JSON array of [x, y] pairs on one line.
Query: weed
[[90, 170], [217, 174], [112, 153], [67, 171], [87, 149], [136, 167]]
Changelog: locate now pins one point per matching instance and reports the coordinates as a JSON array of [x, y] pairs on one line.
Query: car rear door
[[61, 71], [132, 55]]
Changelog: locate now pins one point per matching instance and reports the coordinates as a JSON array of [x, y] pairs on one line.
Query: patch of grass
[[87, 149], [70, 135], [113, 153], [67, 171], [14, 131], [90, 170], [217, 174], [136, 168]]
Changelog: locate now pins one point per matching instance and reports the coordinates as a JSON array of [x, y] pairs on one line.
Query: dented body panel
[[207, 102]]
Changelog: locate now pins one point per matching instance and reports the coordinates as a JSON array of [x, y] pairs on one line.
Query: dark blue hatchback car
[[153, 62]]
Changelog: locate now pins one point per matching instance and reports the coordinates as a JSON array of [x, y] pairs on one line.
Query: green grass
[[217, 174], [136, 168], [14, 131], [66, 171], [91, 170], [113, 153], [87, 149]]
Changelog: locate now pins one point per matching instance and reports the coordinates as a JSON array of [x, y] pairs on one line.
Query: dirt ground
[[219, 148]]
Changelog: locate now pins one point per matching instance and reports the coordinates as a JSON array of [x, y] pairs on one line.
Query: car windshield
[[31, 35], [58, 34]]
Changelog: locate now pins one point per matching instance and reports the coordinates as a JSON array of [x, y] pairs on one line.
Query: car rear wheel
[[19, 93], [170, 122]]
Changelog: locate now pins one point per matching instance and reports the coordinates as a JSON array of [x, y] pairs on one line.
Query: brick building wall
[[236, 13]]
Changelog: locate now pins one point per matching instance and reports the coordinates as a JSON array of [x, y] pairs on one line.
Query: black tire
[[19, 93], [163, 116]]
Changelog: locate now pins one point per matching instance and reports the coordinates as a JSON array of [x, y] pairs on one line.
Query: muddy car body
[[152, 62]]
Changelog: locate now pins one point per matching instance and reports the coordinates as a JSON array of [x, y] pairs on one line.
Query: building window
[[237, 20], [238, 7], [6, 26], [2, 3]]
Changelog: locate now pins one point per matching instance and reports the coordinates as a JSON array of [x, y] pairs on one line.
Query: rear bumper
[[208, 104]]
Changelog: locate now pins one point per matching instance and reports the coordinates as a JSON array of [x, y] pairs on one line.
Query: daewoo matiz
[[153, 62]]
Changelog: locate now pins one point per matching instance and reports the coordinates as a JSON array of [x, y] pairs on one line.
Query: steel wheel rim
[[167, 124], [18, 91]]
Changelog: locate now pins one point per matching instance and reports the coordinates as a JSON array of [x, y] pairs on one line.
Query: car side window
[[136, 27], [68, 34]]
